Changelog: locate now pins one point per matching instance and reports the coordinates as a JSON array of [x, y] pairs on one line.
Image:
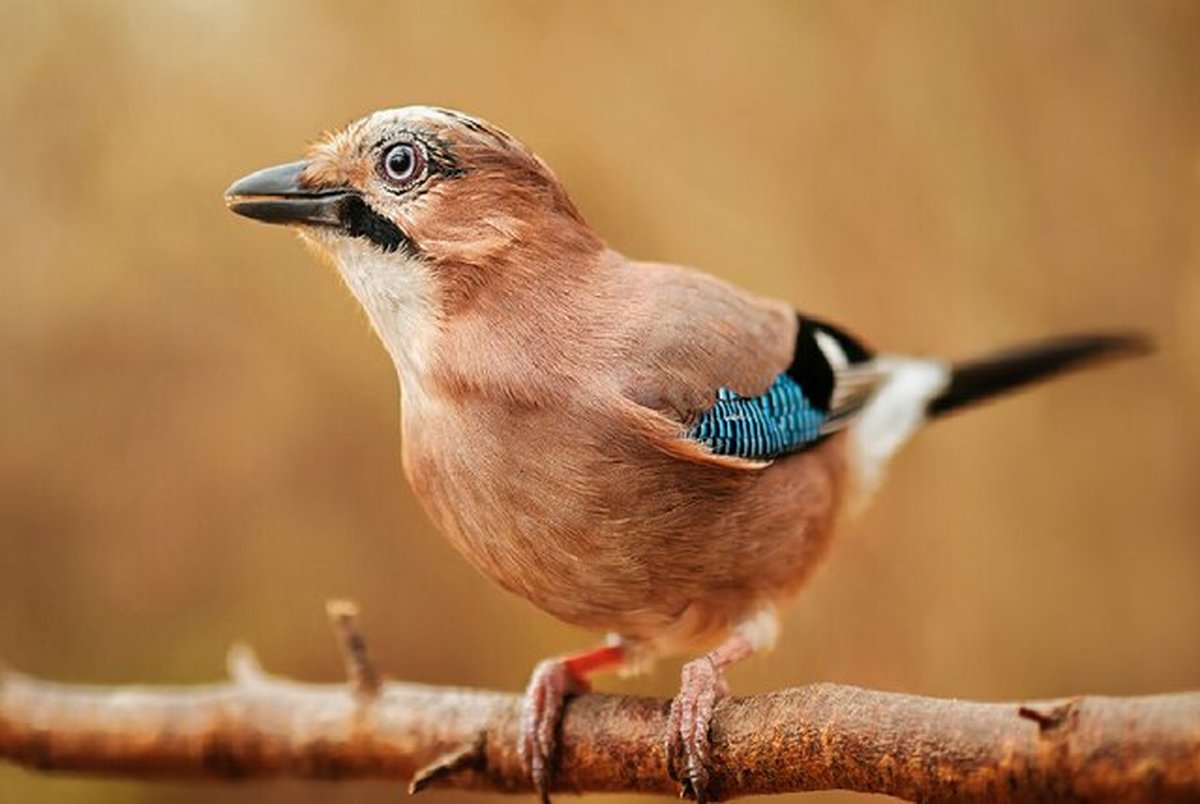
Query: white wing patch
[[835, 355]]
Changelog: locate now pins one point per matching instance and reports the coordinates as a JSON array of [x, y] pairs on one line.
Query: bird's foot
[[688, 723], [552, 681]]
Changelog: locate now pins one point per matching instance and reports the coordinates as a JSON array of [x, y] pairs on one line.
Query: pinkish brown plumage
[[635, 448]]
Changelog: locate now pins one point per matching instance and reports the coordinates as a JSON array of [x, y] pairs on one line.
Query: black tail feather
[[976, 380]]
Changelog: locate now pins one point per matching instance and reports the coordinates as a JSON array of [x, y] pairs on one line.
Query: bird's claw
[[687, 741], [541, 712]]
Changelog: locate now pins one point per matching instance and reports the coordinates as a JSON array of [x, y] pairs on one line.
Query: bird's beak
[[278, 195]]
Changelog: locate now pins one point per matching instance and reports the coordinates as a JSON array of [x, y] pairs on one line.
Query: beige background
[[199, 434]]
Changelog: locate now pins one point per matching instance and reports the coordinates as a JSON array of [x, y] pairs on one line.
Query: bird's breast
[[602, 528]]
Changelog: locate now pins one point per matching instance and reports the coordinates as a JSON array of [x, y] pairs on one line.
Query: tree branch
[[817, 737]]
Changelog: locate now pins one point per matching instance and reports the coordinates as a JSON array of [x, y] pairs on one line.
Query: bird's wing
[[732, 378], [830, 378]]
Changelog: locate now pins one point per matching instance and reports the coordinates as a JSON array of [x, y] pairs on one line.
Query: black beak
[[276, 195]]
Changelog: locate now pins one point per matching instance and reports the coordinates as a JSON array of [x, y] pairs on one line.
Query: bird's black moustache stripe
[[359, 220]]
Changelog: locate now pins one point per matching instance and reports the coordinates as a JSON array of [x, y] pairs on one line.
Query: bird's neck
[[524, 333], [467, 330]]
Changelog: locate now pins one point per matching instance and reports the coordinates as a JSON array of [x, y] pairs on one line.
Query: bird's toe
[[541, 713], [687, 742]]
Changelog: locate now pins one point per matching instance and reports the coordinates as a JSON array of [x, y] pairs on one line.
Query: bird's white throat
[[399, 295]]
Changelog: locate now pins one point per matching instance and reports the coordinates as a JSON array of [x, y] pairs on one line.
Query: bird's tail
[[915, 389], [998, 373]]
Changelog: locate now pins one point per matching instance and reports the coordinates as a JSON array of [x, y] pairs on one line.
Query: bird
[[640, 449]]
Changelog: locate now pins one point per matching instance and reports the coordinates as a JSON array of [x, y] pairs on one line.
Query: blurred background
[[198, 431]]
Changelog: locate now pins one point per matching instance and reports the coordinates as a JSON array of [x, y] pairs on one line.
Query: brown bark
[[817, 737]]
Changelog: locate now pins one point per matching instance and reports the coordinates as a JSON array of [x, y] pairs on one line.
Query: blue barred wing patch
[[759, 427]]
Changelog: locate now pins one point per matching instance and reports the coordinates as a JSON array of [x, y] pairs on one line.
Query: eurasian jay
[[636, 448]]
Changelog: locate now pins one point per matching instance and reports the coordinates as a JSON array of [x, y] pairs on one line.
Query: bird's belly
[[633, 541]]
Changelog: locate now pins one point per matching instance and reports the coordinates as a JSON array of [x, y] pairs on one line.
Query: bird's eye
[[402, 163]]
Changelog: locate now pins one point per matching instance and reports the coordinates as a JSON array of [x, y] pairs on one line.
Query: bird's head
[[426, 212]]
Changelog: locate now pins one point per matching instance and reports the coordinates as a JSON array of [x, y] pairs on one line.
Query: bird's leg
[[687, 740], [552, 681]]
